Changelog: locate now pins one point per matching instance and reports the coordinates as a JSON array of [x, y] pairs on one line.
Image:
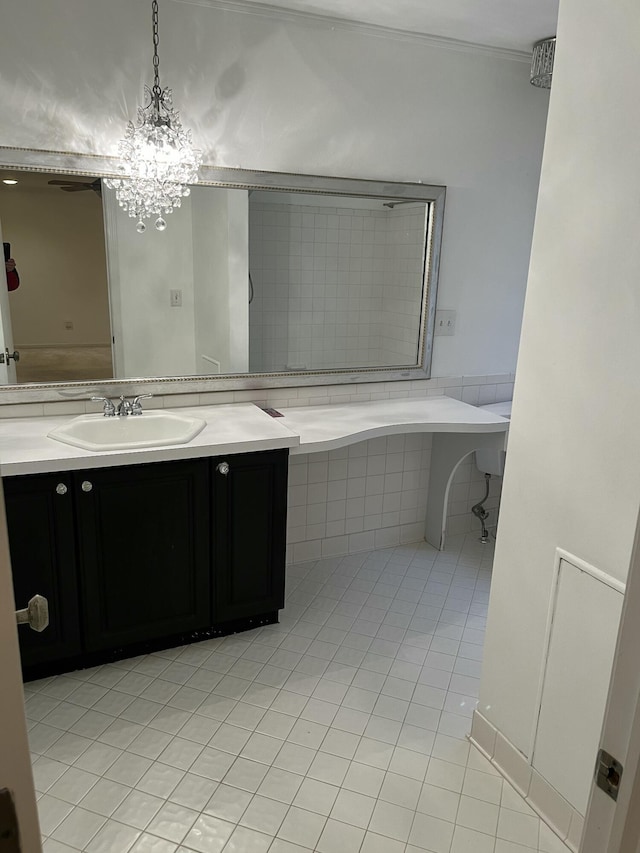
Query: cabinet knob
[[61, 489], [86, 486], [222, 468]]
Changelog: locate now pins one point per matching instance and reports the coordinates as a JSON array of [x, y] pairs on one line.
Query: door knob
[[35, 614], [61, 489], [6, 356], [222, 468], [86, 486]]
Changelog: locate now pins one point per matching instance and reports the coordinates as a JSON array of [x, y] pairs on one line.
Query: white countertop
[[330, 427], [25, 447], [237, 428], [502, 409]]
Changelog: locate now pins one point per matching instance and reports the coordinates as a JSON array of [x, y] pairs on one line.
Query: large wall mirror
[[259, 280]]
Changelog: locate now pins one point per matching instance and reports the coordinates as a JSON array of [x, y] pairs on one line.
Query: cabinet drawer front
[[249, 504], [43, 560], [144, 548]]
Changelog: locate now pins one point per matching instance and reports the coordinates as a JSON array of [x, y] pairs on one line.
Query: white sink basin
[[151, 429]]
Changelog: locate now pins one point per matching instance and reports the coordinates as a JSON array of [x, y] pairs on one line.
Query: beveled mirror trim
[[22, 159]]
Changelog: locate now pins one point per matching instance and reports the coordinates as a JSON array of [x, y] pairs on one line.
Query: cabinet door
[[143, 533], [250, 513], [42, 544]]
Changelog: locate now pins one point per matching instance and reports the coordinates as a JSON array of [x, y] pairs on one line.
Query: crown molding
[[248, 7]]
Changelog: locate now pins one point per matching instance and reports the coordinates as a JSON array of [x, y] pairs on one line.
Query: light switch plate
[[445, 323]]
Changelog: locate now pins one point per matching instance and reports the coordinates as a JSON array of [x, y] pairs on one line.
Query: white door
[[15, 764], [7, 371], [614, 826]]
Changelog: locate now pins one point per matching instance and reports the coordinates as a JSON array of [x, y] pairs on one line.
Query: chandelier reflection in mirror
[[159, 158]]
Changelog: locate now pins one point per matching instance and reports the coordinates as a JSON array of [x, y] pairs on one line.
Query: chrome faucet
[[125, 407]]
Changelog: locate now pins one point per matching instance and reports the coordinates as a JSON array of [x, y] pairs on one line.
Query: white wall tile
[[359, 501], [351, 289]]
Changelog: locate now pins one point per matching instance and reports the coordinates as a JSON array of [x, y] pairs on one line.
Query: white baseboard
[[551, 806]]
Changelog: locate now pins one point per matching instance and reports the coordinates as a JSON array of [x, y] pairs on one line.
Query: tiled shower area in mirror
[[340, 730], [335, 283]]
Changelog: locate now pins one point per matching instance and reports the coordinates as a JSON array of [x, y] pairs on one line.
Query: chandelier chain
[[157, 91]]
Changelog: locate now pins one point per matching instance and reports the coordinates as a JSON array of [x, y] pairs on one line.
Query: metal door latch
[[6, 356], [35, 614], [608, 774]]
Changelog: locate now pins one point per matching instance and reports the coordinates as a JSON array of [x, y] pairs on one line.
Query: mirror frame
[[29, 160]]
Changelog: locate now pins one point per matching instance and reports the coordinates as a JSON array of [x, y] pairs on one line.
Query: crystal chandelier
[[542, 63], [159, 158]]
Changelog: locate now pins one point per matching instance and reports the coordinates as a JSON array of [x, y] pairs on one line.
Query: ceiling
[[507, 24]]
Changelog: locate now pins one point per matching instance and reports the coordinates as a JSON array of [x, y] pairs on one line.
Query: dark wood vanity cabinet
[[133, 556], [41, 526], [249, 518], [143, 544]]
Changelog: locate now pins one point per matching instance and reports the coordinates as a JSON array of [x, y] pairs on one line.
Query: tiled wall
[[334, 286], [371, 494]]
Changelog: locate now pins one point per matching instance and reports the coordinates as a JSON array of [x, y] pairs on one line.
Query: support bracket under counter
[[458, 430], [447, 452]]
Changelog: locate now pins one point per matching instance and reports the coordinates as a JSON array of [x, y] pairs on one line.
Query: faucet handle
[[136, 407], [108, 409]]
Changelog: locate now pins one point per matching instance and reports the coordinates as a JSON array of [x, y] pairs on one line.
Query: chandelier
[[159, 159], [542, 63]]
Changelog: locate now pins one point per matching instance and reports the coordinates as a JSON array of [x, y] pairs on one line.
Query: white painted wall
[[57, 240], [152, 338], [203, 254], [572, 477], [265, 93], [220, 227]]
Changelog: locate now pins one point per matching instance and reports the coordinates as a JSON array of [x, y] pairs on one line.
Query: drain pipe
[[481, 513]]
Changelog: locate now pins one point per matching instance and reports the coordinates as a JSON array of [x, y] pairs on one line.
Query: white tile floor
[[341, 730]]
